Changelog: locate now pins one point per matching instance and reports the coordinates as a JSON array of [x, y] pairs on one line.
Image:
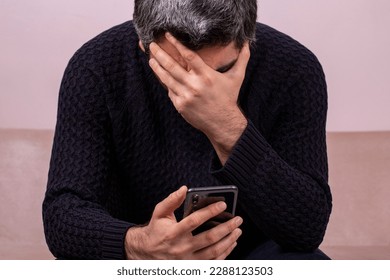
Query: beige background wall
[[350, 38]]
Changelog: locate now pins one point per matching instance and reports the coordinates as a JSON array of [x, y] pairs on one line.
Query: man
[[192, 93]]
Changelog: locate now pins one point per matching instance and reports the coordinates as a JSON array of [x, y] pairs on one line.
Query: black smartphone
[[198, 198]]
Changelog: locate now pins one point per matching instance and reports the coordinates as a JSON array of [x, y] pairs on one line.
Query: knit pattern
[[120, 147]]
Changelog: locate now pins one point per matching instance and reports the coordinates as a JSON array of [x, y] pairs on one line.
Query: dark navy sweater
[[120, 147]]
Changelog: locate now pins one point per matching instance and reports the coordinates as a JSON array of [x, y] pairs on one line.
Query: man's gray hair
[[196, 23]]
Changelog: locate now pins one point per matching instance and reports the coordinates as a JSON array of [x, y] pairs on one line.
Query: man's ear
[[141, 46]]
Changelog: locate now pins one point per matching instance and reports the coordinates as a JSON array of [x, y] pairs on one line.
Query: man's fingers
[[195, 62], [168, 63], [242, 61], [227, 252], [191, 222], [217, 233], [165, 77], [170, 204], [221, 249]]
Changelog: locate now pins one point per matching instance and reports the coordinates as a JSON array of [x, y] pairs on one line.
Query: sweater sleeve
[[282, 180], [76, 224]]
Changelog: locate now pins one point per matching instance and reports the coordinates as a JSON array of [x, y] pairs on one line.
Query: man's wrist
[[225, 138], [133, 243]]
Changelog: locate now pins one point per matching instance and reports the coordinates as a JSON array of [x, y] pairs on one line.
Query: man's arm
[[283, 183], [76, 224], [283, 178]]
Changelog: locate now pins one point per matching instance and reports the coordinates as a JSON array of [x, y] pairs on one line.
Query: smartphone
[[198, 198]]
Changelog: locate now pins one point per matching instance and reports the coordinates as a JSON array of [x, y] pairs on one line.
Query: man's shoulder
[[277, 48], [121, 33], [115, 43]]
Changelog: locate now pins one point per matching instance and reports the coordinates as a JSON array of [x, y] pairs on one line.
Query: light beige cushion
[[359, 164]]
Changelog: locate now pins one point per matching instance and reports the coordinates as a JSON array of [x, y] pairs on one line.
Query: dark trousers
[[272, 251]]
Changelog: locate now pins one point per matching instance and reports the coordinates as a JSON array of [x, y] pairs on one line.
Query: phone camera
[[195, 199]]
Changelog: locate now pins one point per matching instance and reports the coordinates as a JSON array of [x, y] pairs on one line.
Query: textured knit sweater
[[120, 147]]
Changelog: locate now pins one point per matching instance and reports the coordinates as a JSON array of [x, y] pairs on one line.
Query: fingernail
[[152, 62], [181, 190], [168, 35], [152, 47], [238, 233], [238, 221], [221, 205]]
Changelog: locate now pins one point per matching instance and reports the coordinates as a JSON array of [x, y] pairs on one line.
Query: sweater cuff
[[113, 245], [249, 150]]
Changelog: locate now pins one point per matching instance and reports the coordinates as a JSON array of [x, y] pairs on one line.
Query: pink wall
[[349, 37]]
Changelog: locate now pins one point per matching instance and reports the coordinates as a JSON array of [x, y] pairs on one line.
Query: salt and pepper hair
[[196, 23]]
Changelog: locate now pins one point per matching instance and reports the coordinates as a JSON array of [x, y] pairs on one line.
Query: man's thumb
[[171, 203]]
